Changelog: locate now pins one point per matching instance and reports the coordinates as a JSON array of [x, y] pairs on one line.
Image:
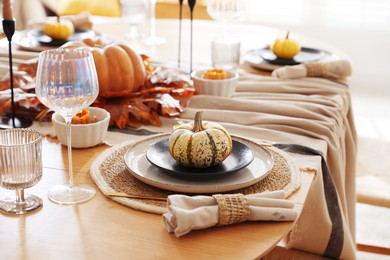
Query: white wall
[[360, 28]]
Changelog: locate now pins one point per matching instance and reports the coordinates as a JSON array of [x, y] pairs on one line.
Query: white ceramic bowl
[[215, 87], [84, 135]]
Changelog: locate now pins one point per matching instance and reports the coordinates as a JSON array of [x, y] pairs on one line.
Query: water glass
[[134, 13], [225, 11], [225, 52], [20, 168], [153, 39]]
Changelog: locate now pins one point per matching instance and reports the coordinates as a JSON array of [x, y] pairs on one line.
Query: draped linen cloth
[[312, 119]]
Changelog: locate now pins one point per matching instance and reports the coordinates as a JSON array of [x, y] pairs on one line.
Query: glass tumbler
[[225, 52], [20, 168]]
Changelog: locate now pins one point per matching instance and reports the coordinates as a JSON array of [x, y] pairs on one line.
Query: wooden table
[[102, 228]]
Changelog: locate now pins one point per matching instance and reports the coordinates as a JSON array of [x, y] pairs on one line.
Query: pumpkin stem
[[58, 19], [198, 126], [287, 35]]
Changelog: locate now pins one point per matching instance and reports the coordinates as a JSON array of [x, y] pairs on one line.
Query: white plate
[[138, 165], [24, 42], [257, 62], [263, 59], [31, 40]]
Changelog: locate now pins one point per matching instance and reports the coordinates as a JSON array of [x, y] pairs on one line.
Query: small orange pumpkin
[[215, 74], [59, 28], [286, 48], [83, 117], [120, 69]]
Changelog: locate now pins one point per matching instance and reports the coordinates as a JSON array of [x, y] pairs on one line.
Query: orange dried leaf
[[166, 105], [159, 96]]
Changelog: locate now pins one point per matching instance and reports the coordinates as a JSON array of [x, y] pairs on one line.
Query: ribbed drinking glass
[[20, 168]]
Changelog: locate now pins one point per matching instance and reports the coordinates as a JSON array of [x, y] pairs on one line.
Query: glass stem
[[19, 196], [69, 142], [225, 29], [133, 30], [152, 18]]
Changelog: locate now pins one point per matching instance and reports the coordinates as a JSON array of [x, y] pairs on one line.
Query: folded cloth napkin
[[186, 213], [80, 21], [335, 69]]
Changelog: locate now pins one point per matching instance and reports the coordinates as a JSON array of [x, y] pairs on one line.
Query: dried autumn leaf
[[147, 64], [168, 76], [130, 112], [25, 103], [133, 122], [21, 80], [165, 105], [118, 113], [30, 67], [160, 95], [144, 113]]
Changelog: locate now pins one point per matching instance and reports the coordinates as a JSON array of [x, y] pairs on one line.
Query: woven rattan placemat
[[111, 175]]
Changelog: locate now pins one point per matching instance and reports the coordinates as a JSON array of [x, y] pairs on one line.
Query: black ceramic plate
[[158, 155], [46, 40], [305, 55]]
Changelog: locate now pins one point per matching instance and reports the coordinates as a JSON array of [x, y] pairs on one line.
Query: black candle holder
[[5, 120]]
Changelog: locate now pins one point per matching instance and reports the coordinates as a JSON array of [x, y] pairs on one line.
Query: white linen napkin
[[335, 69], [81, 21], [186, 213]]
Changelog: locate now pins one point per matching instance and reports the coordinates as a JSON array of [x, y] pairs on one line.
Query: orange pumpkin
[[83, 117], [215, 74], [120, 69]]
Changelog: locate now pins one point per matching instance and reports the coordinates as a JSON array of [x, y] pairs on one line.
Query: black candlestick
[[13, 122]]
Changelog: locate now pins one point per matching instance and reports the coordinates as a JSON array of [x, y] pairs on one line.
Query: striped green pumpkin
[[200, 144]]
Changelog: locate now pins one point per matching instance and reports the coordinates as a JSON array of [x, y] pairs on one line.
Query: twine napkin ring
[[316, 69], [233, 208]]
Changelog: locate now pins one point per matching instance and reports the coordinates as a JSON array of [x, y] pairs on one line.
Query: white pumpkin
[[200, 144]]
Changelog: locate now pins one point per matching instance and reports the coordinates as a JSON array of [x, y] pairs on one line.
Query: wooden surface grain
[[102, 228]]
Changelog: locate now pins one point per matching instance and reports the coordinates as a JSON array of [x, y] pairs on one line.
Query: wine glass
[[134, 13], [225, 11], [153, 39], [67, 82], [20, 168]]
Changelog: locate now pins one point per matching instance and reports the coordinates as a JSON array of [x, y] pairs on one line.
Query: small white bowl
[[215, 87], [83, 135]]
